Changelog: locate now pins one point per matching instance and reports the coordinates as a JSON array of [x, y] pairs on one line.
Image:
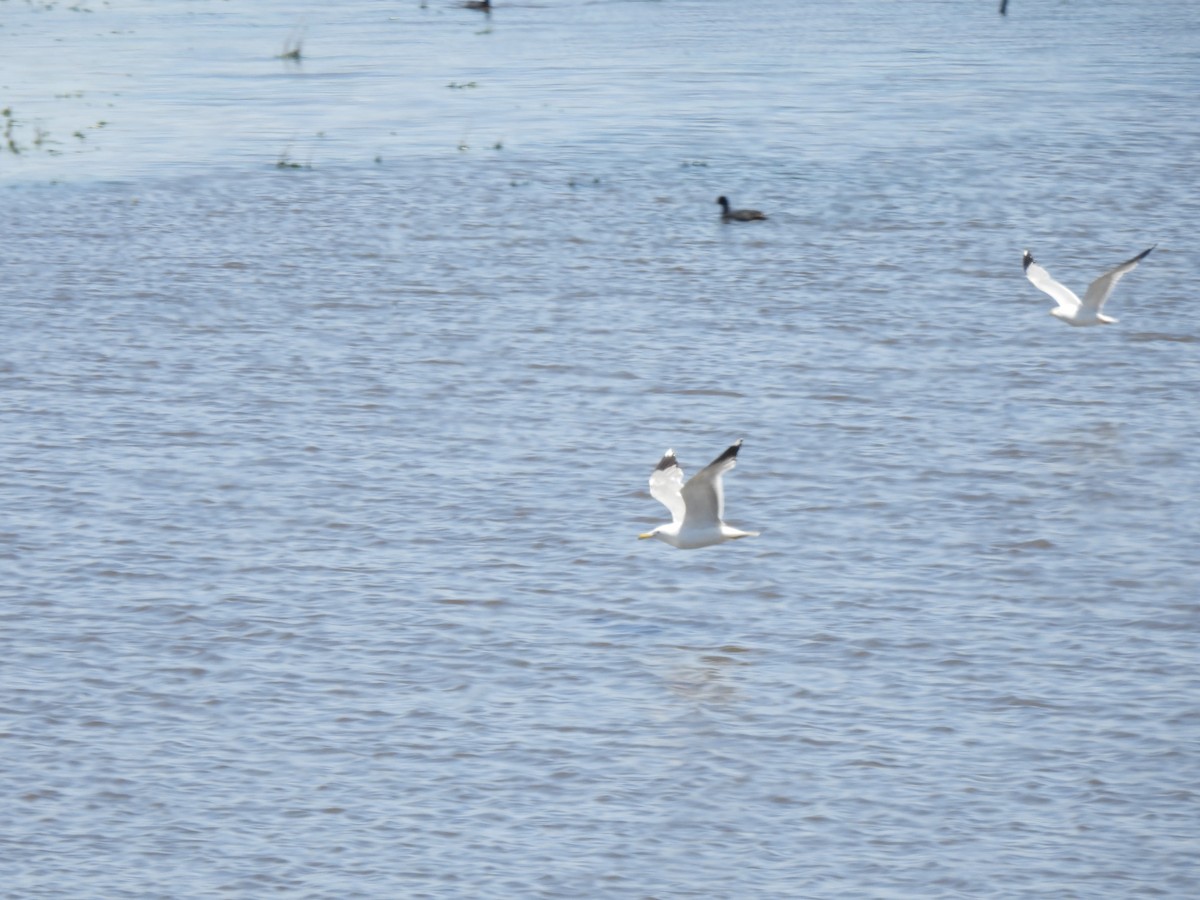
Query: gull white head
[[696, 507]]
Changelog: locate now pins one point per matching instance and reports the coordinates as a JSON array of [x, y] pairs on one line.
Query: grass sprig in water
[[285, 161], [9, 123], [293, 46]]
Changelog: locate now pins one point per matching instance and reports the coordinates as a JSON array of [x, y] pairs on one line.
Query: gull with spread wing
[[1070, 308], [696, 507]]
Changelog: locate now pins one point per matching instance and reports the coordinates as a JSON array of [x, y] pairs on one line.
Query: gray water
[[320, 483]]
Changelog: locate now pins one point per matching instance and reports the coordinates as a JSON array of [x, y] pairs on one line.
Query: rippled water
[[321, 484]]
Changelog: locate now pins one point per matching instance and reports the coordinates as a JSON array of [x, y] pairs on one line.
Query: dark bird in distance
[[737, 215]]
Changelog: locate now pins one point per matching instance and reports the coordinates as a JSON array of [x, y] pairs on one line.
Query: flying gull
[[1070, 308], [697, 506]]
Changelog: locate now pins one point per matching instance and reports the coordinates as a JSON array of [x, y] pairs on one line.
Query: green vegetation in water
[[285, 161], [9, 123], [18, 136], [293, 46], [39, 141]]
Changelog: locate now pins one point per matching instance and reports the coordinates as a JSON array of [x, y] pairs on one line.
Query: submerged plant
[[18, 136], [9, 124], [293, 45], [285, 161]]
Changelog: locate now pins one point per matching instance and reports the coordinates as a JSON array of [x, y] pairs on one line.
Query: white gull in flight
[[1070, 308], [697, 506]]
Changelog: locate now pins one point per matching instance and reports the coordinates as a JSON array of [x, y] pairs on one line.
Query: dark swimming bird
[[1070, 308], [484, 5], [1004, 7], [737, 215]]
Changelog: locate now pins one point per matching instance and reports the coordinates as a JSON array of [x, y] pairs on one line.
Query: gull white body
[[1070, 308], [696, 507]]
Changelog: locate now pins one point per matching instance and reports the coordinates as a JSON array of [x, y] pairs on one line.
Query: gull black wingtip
[[668, 460], [731, 453], [1143, 254], [1027, 261]]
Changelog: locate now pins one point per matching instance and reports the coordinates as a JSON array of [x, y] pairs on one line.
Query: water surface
[[321, 483]]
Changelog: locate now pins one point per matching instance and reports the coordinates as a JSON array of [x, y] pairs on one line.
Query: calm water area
[[330, 388]]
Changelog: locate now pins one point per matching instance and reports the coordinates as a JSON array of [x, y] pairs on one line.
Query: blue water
[[321, 482]]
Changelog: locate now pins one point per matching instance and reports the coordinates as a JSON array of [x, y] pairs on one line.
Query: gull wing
[[1040, 279], [704, 494], [1100, 289], [666, 485]]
